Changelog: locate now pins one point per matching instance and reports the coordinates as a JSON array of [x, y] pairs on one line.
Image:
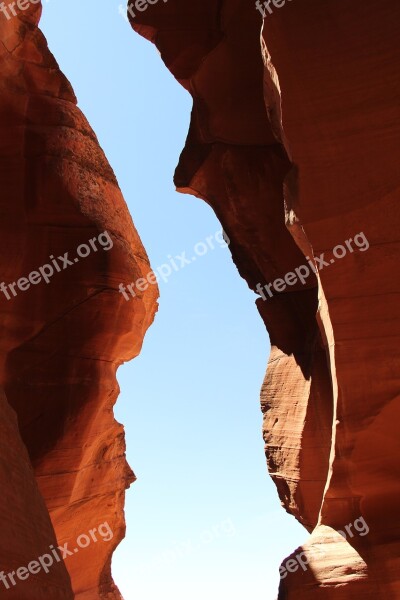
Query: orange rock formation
[[62, 458], [294, 143]]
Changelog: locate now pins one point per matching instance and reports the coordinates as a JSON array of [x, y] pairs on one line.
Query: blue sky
[[204, 519]]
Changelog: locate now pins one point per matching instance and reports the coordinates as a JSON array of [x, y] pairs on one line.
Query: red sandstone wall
[[61, 342], [295, 158]]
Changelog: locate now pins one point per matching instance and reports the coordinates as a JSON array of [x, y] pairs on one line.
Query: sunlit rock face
[[294, 142], [63, 470]]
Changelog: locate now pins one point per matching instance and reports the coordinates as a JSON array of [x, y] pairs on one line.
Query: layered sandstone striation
[[294, 143], [63, 469]]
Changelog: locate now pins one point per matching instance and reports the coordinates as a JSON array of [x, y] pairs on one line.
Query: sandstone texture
[[294, 142], [63, 470]]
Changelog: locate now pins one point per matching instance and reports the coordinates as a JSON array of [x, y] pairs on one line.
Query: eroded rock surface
[[294, 143], [63, 468]]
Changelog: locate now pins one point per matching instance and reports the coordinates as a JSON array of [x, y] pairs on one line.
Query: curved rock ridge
[[294, 143], [62, 461]]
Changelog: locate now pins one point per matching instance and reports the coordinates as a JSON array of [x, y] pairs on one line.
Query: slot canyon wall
[[63, 470], [293, 142]]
